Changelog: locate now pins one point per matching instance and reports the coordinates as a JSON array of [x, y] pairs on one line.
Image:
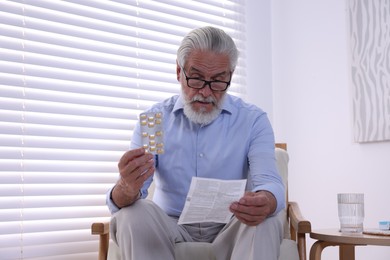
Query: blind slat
[[56, 177], [37, 130]]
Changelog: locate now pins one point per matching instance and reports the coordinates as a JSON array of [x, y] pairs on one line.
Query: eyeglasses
[[215, 85]]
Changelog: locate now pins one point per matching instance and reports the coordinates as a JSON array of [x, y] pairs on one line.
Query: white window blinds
[[74, 76]]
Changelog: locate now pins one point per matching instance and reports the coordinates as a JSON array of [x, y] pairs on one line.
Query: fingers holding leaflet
[[253, 208]]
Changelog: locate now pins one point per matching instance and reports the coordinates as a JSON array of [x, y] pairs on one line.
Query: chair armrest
[[103, 230], [297, 221], [100, 228], [299, 227]]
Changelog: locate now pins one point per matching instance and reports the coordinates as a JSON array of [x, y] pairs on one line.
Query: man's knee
[[132, 218], [271, 226], [140, 212]]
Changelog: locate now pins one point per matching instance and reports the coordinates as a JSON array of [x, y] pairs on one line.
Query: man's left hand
[[254, 207]]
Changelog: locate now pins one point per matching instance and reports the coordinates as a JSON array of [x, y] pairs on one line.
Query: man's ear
[[178, 70]]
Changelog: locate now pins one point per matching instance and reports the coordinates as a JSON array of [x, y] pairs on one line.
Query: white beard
[[202, 117]]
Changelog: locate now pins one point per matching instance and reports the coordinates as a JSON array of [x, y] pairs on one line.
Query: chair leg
[[301, 241], [104, 240]]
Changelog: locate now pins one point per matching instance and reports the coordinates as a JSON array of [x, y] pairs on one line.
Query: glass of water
[[351, 212]]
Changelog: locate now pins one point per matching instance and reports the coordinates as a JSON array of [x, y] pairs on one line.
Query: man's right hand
[[135, 166]]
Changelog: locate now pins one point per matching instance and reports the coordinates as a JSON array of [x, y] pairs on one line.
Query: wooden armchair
[[296, 225]]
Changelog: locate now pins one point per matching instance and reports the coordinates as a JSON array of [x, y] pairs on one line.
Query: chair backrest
[[281, 146], [282, 159]]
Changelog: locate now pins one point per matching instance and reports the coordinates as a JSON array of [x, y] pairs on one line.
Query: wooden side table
[[346, 243]]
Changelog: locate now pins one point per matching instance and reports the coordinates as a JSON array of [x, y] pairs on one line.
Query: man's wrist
[[121, 198], [272, 199]]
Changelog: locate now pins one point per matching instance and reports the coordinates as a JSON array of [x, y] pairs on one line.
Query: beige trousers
[[145, 232]]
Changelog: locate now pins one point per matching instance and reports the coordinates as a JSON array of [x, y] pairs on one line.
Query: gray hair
[[208, 39]]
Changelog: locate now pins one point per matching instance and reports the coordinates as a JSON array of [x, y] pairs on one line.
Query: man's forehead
[[207, 61], [216, 72]]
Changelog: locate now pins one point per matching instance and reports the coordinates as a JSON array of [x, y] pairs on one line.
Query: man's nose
[[206, 90]]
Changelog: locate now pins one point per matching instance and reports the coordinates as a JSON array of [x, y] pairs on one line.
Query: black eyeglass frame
[[208, 82]]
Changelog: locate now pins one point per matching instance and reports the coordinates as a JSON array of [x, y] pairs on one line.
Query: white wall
[[259, 55], [312, 113]]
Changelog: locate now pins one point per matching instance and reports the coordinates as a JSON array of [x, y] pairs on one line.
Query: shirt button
[[201, 155]]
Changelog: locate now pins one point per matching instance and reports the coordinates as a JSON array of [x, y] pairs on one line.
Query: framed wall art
[[369, 28]]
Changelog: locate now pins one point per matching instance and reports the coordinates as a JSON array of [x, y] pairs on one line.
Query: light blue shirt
[[238, 144]]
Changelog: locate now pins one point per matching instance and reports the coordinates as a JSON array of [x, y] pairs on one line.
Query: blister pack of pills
[[152, 132]]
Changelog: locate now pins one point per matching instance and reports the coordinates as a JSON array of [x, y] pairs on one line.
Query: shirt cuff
[[279, 194], [110, 203]]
